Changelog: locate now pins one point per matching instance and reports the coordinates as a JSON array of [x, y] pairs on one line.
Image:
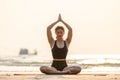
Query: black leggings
[[59, 65]]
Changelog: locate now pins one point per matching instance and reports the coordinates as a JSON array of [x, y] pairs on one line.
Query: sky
[[95, 24]]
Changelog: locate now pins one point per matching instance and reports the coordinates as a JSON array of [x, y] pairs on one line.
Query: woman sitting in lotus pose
[[59, 48]]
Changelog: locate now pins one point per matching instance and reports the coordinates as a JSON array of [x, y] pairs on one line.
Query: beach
[[29, 76], [27, 68], [87, 35]]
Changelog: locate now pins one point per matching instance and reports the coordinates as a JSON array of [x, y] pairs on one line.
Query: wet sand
[[27, 76]]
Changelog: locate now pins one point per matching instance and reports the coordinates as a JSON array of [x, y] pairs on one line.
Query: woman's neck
[[60, 39]]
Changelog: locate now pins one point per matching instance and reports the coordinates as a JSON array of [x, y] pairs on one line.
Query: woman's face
[[59, 33]]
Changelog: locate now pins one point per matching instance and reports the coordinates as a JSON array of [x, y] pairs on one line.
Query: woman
[[59, 49]]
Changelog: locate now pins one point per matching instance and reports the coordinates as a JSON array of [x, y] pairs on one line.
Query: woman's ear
[[56, 32], [63, 32]]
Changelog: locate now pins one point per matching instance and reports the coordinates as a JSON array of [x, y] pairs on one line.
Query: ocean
[[88, 63]]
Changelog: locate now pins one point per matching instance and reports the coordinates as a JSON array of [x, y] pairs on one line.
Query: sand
[[59, 77]]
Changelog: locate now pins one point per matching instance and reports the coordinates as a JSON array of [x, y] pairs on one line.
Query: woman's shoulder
[[67, 44], [53, 42]]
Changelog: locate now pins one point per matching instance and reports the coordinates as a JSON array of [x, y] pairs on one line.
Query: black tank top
[[59, 53]]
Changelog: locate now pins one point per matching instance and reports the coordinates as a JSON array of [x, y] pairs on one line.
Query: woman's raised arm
[[69, 37], [49, 34]]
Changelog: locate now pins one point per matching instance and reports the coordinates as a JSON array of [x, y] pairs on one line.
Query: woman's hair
[[59, 27]]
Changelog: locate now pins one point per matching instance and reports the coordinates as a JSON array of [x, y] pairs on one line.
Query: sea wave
[[30, 63], [27, 60]]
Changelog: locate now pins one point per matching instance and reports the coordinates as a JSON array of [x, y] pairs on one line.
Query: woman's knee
[[43, 69], [75, 69], [78, 68]]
